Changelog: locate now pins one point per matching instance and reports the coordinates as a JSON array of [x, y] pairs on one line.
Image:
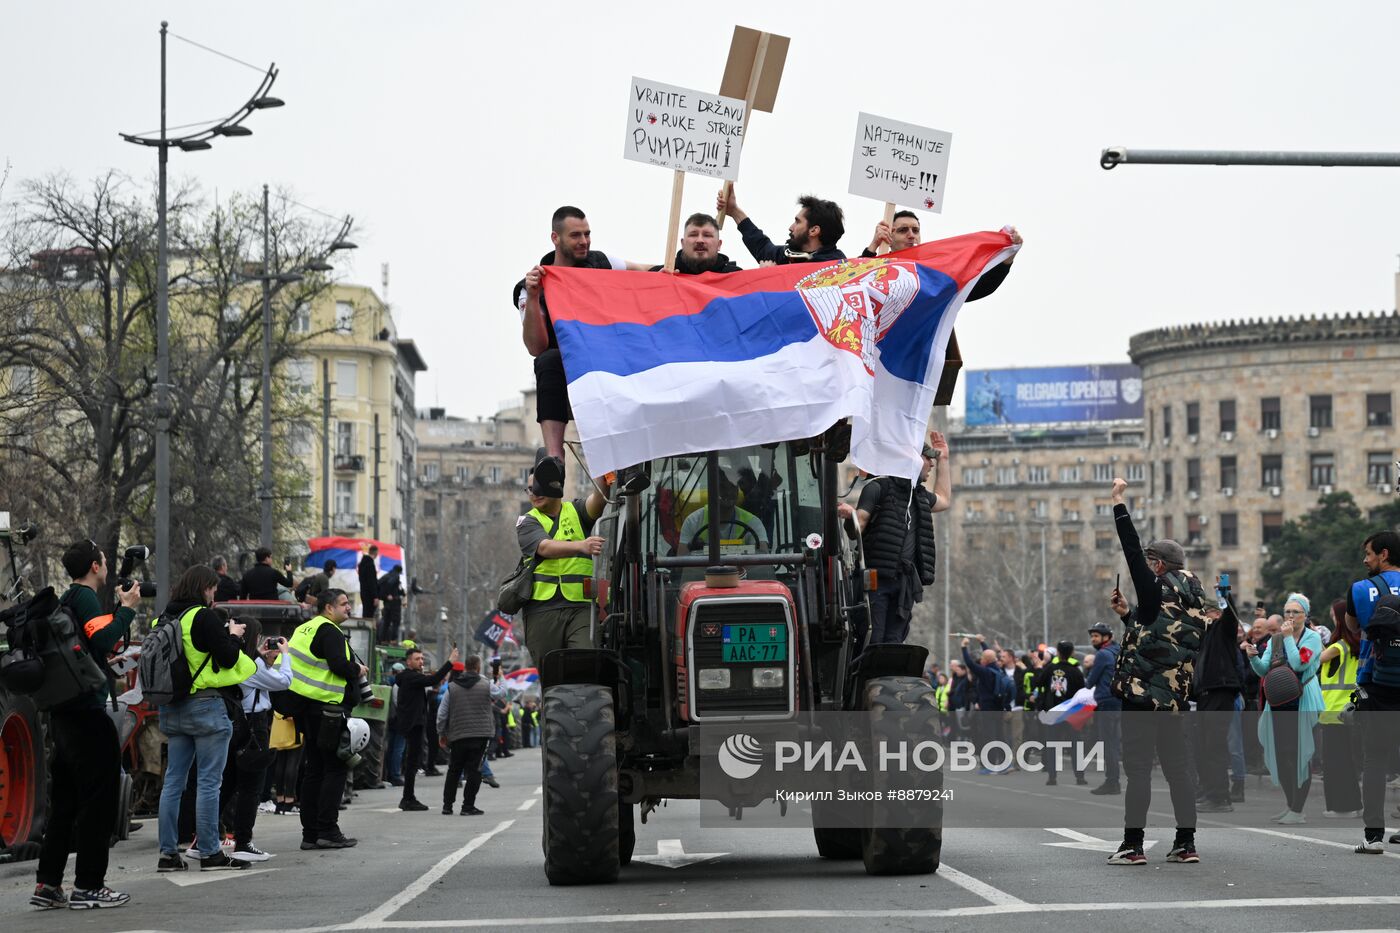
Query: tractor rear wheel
[[902, 708], [581, 822], [23, 775]]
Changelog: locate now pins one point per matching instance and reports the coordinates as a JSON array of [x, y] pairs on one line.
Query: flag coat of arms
[[661, 364]]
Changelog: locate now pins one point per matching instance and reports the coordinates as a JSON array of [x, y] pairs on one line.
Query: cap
[[1167, 550], [1101, 628], [548, 479], [396, 667]]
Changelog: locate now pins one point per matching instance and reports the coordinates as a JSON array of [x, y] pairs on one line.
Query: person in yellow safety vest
[[556, 534], [1341, 741], [197, 727], [322, 670]]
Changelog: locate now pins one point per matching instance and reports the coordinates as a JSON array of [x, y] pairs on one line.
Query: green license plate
[[755, 643]]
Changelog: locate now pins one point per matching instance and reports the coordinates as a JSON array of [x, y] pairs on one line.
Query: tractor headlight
[[714, 678]]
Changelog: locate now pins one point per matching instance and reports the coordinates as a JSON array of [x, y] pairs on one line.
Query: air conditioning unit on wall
[[1227, 491], [1314, 432], [1227, 436], [1271, 434], [1275, 491]]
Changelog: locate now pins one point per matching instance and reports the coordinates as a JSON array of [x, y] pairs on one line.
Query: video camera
[[131, 557]]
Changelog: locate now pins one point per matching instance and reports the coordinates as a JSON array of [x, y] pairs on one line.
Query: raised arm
[[1149, 592]]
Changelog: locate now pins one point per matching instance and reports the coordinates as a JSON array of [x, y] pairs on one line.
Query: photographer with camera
[[198, 726], [262, 579], [86, 761], [323, 672], [250, 753]]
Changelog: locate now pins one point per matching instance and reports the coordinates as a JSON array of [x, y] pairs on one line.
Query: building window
[[1271, 524], [1069, 540], [1271, 470], [1270, 415], [1039, 508], [301, 318], [347, 378], [1006, 476], [1193, 475], [1227, 415], [1167, 526], [1069, 474], [460, 510], [1166, 477], [344, 496], [1320, 470], [1319, 411], [1229, 529], [430, 542], [974, 511], [1193, 530], [1103, 540], [432, 472], [344, 317], [974, 476], [1069, 510], [430, 508], [1006, 510], [1103, 508], [301, 439], [1378, 467], [494, 474], [1166, 422], [1229, 473], [22, 381], [1137, 472], [1193, 418], [1378, 410], [1103, 472], [301, 376], [1038, 474], [345, 438]]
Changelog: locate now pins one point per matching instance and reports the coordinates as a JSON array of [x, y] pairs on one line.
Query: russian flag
[[669, 364], [1076, 711]]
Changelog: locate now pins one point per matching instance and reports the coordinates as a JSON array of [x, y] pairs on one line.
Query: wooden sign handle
[[889, 222], [672, 227], [760, 53]]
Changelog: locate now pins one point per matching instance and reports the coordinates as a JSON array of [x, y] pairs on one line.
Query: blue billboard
[[1111, 392]]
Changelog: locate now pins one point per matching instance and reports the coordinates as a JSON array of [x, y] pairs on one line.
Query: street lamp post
[[162, 143]]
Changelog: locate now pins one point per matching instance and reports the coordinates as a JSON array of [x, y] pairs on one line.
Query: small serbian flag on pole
[[669, 364], [1076, 711]]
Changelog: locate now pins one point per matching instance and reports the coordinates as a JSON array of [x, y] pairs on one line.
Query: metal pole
[[162, 536], [1044, 592], [1120, 155], [466, 583], [378, 450], [265, 494], [947, 590], [325, 447]]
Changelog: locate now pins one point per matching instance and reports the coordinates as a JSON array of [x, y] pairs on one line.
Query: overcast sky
[[451, 131]]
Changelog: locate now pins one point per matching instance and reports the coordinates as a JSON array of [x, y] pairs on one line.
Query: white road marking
[[1084, 841], [669, 854], [377, 917], [1332, 843], [539, 790], [990, 910], [529, 802], [194, 876], [983, 890]]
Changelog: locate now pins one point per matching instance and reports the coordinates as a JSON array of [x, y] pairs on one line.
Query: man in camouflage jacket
[[1161, 639]]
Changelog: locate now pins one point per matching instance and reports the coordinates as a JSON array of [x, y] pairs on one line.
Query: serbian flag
[[521, 679], [670, 364], [1076, 711], [346, 552]]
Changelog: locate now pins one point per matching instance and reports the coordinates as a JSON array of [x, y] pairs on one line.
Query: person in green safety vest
[[197, 728], [556, 534]]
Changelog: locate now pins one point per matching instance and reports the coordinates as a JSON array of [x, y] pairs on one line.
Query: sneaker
[[48, 897], [412, 805], [96, 897], [1080, 780], [1215, 806], [171, 862], [1052, 781], [1371, 845], [251, 853], [490, 782], [1128, 855], [267, 806], [1107, 789], [308, 845], [1237, 791], [1395, 838], [473, 811], [1340, 814], [221, 862], [338, 841], [395, 782], [1183, 852], [1278, 817], [1292, 818]]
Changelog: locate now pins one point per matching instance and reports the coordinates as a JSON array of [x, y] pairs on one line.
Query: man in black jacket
[[391, 595], [1215, 684], [228, 586], [368, 572], [906, 233], [699, 250], [413, 687], [1059, 680], [812, 236], [262, 579]]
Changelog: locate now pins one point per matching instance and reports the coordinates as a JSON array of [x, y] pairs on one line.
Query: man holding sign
[[812, 237]]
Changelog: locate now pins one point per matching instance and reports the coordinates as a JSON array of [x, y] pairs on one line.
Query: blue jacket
[[986, 679], [1100, 676]]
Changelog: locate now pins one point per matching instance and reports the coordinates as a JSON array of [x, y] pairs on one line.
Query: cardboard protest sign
[[900, 163], [684, 130]]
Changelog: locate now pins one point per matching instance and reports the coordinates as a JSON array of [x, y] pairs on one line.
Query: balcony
[[348, 521], [349, 463]]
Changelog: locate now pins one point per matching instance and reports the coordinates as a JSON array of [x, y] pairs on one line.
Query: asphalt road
[[427, 871]]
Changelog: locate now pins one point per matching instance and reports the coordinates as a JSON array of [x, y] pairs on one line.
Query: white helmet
[[359, 734]]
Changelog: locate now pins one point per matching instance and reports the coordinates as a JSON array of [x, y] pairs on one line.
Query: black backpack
[[48, 656], [1383, 632]]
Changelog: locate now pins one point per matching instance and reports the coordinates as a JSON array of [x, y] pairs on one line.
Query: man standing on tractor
[[556, 534]]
